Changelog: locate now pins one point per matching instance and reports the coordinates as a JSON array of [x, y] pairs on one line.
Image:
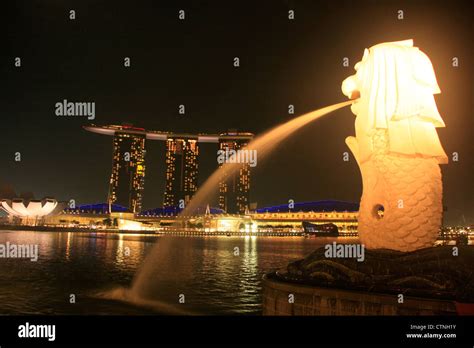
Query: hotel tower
[[234, 189], [181, 171], [127, 180]]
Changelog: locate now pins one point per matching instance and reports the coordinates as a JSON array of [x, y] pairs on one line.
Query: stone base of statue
[[429, 281]]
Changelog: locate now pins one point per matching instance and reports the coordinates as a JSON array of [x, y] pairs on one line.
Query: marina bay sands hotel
[[127, 181]]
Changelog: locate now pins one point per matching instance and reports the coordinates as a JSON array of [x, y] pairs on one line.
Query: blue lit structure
[[316, 206], [175, 210], [98, 208]]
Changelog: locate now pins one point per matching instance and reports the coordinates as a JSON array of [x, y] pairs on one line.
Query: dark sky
[[190, 62]]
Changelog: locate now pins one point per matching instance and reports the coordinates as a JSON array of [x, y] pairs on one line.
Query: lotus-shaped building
[[31, 208]]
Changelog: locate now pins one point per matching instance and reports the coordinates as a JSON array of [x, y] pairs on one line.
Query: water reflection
[[68, 245], [207, 270], [120, 250]]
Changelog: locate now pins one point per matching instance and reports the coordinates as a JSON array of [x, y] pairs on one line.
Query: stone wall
[[310, 300]]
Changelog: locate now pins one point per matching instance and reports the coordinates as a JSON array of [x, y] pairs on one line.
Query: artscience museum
[[29, 211]]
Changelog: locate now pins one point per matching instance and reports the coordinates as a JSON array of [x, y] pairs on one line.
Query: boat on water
[[320, 230]]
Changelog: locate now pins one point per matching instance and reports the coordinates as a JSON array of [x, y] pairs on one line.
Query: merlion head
[[394, 86]]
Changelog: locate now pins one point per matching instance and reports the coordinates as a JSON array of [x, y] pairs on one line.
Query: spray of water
[[146, 286], [263, 144]]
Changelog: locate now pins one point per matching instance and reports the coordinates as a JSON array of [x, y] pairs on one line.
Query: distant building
[[97, 208], [176, 210], [181, 170], [33, 208], [32, 211], [342, 214], [127, 180], [234, 188]]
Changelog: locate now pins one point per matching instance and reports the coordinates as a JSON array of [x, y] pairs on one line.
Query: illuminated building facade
[[181, 171], [182, 153], [127, 180], [234, 189], [342, 214]]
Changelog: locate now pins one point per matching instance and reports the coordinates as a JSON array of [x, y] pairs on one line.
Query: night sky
[[190, 62]]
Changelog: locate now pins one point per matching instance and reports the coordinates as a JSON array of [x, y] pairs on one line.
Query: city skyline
[[127, 179]]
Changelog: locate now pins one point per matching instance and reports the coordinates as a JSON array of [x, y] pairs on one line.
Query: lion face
[[393, 86], [352, 86]]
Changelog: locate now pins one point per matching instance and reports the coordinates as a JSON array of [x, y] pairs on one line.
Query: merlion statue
[[397, 147]]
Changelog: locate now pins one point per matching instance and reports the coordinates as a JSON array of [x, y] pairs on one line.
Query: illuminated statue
[[397, 147]]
